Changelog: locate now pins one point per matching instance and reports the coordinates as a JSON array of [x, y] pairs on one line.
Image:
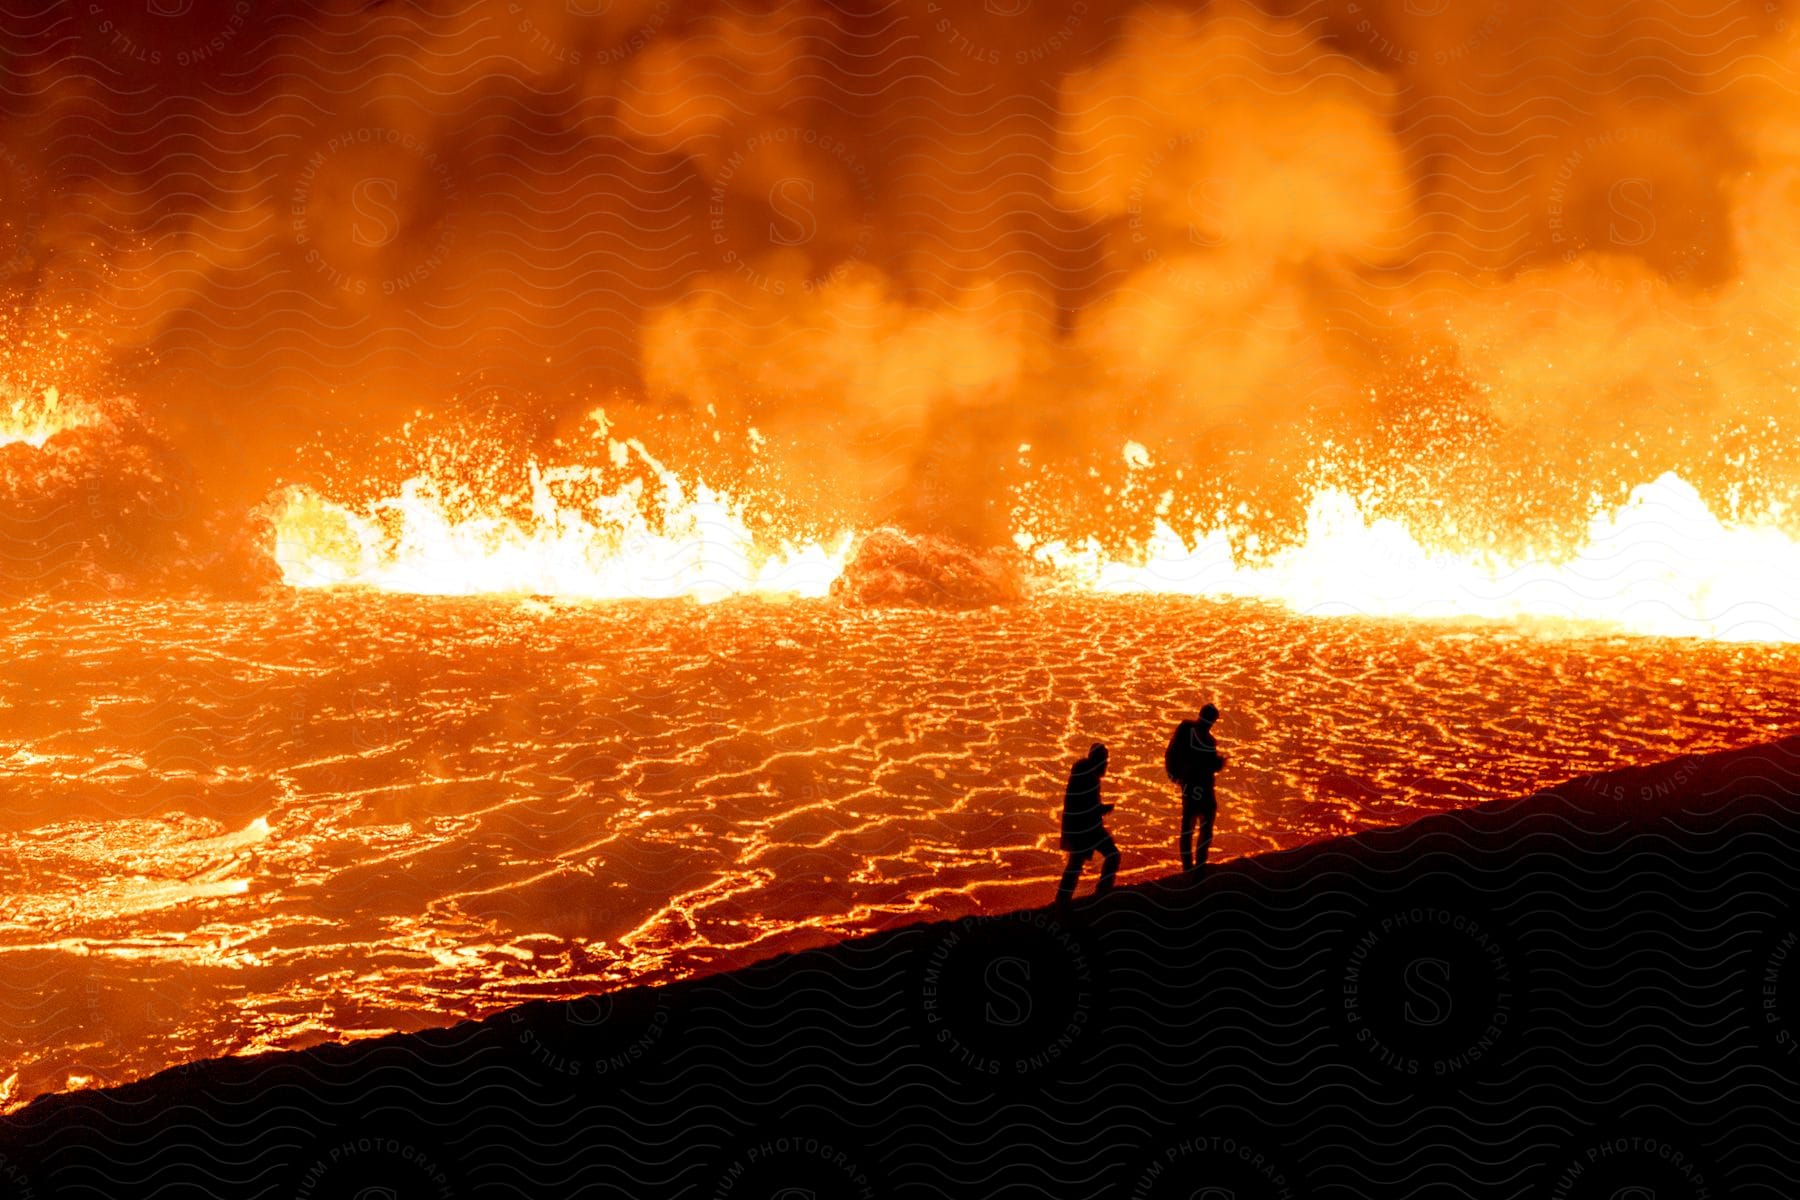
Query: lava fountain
[[654, 537], [34, 420], [1661, 564]]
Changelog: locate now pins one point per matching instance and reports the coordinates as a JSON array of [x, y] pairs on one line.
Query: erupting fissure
[[1661, 564], [651, 537], [36, 418]]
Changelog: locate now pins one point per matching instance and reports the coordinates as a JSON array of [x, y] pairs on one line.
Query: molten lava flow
[[652, 537], [36, 418], [1662, 564]]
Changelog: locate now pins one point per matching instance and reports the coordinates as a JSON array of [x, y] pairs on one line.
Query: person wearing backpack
[[1192, 760], [1083, 830]]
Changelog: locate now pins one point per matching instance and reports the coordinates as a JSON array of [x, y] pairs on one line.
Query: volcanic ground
[[230, 826]]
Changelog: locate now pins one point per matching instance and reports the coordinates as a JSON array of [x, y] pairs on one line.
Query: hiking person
[[1192, 761], [1082, 829]]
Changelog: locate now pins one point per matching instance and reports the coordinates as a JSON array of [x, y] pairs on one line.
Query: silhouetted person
[[1082, 828], [1192, 760]]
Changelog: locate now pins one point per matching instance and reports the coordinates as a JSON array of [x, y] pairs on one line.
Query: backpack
[[1176, 757]]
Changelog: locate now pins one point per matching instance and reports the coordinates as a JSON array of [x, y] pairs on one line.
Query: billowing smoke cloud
[[1494, 257]]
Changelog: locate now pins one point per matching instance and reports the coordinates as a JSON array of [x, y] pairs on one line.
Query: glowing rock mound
[[93, 504], [892, 568]]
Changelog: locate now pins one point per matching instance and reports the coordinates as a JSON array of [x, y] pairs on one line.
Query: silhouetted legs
[[1196, 857], [1202, 813], [1109, 867], [1066, 890]]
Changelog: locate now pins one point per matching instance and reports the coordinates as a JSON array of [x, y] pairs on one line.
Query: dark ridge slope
[[1576, 994]]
